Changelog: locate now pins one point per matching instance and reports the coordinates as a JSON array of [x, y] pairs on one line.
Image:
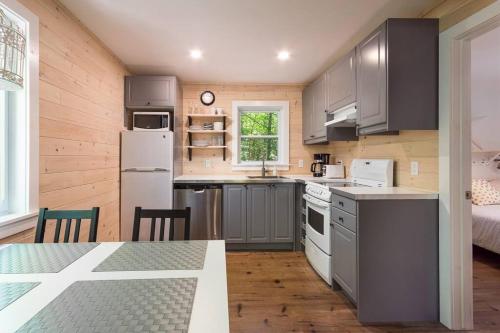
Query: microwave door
[[148, 121], [146, 151]]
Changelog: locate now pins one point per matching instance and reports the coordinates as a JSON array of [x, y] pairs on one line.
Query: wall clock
[[207, 98]]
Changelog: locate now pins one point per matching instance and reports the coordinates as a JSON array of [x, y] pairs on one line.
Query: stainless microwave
[[151, 121]]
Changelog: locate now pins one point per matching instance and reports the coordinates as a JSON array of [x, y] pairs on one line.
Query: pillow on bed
[[495, 183], [483, 193]]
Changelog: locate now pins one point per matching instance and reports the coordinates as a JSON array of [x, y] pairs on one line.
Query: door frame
[[455, 221]]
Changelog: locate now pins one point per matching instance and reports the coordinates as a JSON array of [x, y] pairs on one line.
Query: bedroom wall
[[81, 116], [485, 96], [483, 167]]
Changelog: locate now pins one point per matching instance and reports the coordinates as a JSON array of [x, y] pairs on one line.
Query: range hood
[[343, 117]]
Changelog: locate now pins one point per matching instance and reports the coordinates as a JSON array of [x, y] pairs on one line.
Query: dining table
[[172, 286]]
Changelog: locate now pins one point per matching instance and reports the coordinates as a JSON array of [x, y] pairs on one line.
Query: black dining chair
[[68, 215], [161, 214]]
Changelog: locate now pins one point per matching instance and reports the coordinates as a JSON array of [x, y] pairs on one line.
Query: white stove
[[318, 197]]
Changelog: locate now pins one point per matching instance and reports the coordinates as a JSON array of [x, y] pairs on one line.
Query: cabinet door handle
[[341, 203], [312, 136], [148, 103], [341, 219]]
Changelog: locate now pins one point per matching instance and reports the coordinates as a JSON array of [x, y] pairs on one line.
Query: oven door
[[318, 222]]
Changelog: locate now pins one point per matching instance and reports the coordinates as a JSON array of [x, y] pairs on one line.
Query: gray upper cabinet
[[150, 92], [344, 259], [372, 79], [318, 128], [397, 77], [234, 213], [314, 115], [258, 213], [307, 111], [341, 82], [282, 213]]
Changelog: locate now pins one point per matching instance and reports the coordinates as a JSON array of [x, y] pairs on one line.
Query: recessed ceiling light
[[195, 54], [283, 55]]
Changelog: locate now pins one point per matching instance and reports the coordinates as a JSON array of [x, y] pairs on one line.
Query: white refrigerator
[[146, 177]]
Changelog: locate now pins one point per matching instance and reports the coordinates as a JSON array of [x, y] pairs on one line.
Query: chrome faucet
[[263, 170]]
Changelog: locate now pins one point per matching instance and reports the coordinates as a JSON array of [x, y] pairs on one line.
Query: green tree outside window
[[258, 136]]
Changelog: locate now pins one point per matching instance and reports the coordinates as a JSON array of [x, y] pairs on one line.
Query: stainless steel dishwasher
[[205, 201]]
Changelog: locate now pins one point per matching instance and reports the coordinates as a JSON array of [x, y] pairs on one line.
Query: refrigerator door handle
[[146, 169]]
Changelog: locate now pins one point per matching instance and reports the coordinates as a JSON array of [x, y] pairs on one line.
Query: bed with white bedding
[[486, 227]]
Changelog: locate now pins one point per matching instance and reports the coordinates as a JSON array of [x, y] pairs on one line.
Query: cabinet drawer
[[344, 204], [344, 219]]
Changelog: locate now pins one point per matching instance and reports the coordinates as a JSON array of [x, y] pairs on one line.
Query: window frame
[[4, 138], [282, 108], [25, 218]]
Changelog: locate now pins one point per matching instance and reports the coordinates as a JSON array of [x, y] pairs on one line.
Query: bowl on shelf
[[200, 143]]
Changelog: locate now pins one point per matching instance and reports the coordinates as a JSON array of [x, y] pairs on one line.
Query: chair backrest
[[68, 215], [161, 214]]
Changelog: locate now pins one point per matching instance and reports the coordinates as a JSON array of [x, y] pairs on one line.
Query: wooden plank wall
[[421, 146], [81, 116]]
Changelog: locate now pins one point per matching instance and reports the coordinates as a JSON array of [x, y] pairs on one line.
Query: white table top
[[210, 306]]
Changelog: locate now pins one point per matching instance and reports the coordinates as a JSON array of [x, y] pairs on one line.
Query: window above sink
[[260, 132]]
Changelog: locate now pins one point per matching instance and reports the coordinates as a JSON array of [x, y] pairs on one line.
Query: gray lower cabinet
[[385, 258], [344, 264], [283, 220], [145, 91], [259, 213], [234, 213]]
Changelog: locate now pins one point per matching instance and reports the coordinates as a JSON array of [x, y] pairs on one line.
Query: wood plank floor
[[279, 292]]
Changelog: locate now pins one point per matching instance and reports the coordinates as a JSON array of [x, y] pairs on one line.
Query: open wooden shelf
[[206, 131], [207, 115], [222, 132], [205, 147]]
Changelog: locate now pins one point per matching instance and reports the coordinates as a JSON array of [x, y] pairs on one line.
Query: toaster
[[334, 171]]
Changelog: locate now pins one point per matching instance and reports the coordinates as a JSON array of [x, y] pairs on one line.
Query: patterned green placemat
[[147, 256], [10, 291], [150, 305], [41, 258]]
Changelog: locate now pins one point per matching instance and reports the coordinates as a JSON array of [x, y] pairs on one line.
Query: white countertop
[[210, 307], [356, 193], [233, 178], [384, 193]]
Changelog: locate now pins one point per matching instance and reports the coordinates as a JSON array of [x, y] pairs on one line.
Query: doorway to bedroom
[[485, 170]]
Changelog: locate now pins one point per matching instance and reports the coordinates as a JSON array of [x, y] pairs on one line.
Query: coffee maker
[[317, 165]]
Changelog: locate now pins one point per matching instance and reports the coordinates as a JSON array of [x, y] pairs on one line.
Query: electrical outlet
[[414, 168], [301, 163], [208, 164]]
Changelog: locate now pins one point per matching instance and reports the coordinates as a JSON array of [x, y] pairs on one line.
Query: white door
[[149, 190], [146, 150]]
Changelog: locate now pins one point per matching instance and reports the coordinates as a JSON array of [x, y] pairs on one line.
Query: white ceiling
[[485, 91], [239, 38]]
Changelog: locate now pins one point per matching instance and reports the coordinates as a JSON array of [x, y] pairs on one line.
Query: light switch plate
[[414, 168], [301, 163], [208, 164]]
